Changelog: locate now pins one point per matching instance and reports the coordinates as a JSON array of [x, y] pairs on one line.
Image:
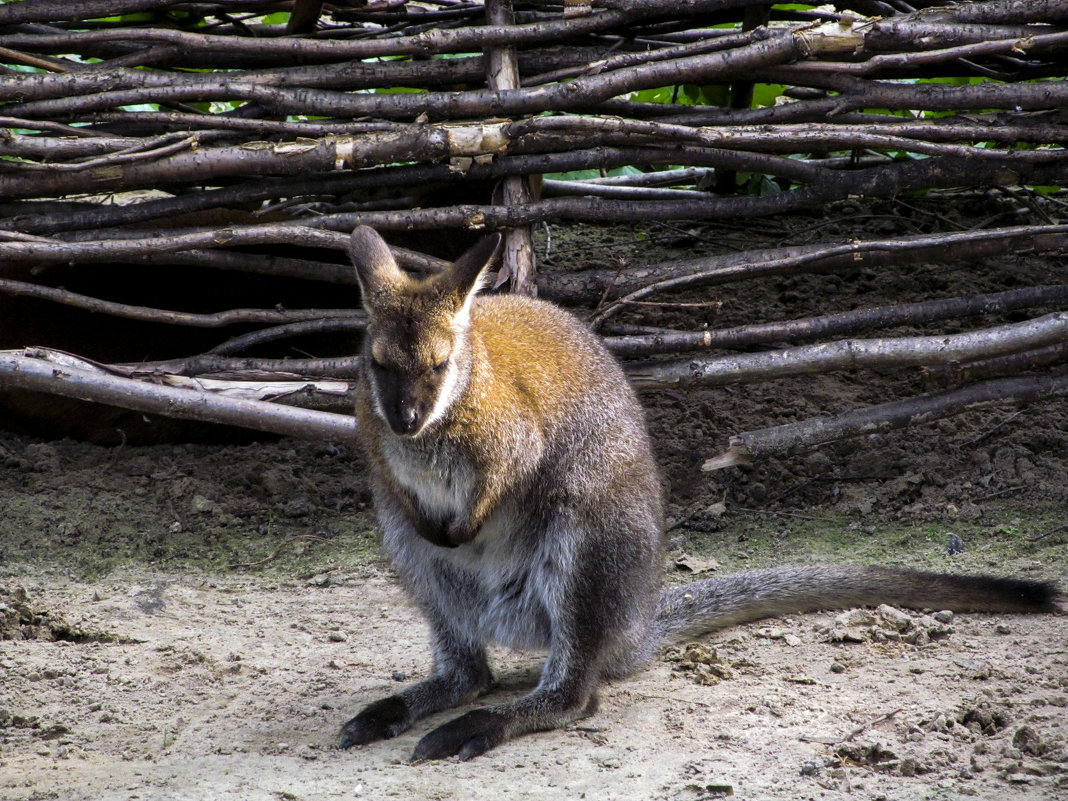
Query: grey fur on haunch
[[520, 503]]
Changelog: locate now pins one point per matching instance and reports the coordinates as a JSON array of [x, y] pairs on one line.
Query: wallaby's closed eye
[[519, 500]]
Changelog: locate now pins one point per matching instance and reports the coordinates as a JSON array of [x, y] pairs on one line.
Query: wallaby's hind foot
[[464, 676], [480, 730], [386, 718], [465, 737]]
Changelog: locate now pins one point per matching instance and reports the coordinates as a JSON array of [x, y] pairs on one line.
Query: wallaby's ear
[[466, 272], [376, 269]]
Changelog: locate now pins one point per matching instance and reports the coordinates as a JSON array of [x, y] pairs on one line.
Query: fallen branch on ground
[[781, 440], [193, 320]]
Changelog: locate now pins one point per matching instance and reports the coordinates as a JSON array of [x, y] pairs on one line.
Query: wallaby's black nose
[[404, 420]]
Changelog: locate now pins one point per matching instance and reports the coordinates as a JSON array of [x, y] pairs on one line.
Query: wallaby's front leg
[[461, 674]]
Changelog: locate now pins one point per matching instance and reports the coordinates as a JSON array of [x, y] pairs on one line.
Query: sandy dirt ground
[[197, 621], [235, 689]]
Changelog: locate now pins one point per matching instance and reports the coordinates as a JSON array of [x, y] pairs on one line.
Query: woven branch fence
[[154, 132]]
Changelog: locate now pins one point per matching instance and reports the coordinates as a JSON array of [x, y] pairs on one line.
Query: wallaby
[[519, 500]]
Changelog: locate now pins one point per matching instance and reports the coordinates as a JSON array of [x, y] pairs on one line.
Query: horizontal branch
[[837, 324], [468, 39], [136, 247], [938, 32], [850, 355], [995, 11], [194, 320], [52, 11], [356, 321], [41, 373], [780, 440], [223, 366], [854, 93], [641, 282], [778, 47], [344, 75], [265, 264], [998, 366], [183, 248], [552, 188]]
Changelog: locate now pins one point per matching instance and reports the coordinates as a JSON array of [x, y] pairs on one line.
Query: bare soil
[[198, 620]]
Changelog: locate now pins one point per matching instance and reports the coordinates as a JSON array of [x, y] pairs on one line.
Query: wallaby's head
[[416, 345]]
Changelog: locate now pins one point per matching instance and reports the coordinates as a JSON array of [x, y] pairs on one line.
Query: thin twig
[[925, 408], [140, 152], [1045, 534], [654, 697], [668, 304], [990, 431], [274, 554], [847, 737], [999, 493], [19, 57], [780, 513]]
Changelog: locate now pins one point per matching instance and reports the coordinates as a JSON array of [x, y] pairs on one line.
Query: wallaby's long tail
[[702, 606]]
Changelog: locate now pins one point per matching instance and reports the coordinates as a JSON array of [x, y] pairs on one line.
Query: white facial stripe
[[446, 394], [461, 321]]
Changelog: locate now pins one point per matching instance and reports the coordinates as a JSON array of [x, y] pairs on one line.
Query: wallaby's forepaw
[[461, 532], [466, 737], [379, 721]]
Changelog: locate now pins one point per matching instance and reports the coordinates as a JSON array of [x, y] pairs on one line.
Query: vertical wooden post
[[502, 74], [304, 16], [741, 95]]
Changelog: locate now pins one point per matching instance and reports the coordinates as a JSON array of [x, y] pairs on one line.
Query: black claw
[[379, 721], [474, 747], [466, 737]]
